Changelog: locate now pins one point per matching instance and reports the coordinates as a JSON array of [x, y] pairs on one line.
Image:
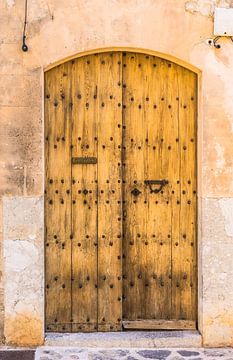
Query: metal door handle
[[161, 184]]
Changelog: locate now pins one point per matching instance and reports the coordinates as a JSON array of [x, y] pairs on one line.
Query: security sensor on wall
[[223, 25]]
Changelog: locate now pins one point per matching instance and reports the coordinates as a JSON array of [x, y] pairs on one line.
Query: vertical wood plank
[[184, 261], [109, 191], [57, 198], [84, 195]]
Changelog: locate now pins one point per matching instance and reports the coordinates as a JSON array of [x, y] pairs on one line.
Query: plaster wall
[[57, 30]]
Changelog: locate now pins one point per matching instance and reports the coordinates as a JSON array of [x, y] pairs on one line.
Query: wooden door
[[118, 252], [83, 113], [159, 173]]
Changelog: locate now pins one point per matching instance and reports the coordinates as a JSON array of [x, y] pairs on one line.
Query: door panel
[[57, 200], [109, 193], [147, 243], [84, 196], [117, 247], [184, 260], [159, 142]]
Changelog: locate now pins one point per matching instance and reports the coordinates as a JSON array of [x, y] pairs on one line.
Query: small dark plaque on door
[[84, 160]]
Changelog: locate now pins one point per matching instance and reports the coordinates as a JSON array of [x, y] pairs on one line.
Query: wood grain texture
[[109, 192], [112, 255], [159, 325], [147, 245], [57, 200], [184, 259], [84, 197], [159, 269]]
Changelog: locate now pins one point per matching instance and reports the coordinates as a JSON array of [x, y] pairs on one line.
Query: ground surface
[[73, 353], [61, 353]]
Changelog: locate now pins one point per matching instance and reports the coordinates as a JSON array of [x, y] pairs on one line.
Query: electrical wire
[[24, 46]]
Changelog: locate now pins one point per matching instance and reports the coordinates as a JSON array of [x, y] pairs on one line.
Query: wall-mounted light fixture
[[223, 25]]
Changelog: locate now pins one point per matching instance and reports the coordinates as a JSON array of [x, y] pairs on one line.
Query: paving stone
[[116, 352], [109, 354], [188, 353], [97, 357], [154, 354], [52, 355], [217, 352]]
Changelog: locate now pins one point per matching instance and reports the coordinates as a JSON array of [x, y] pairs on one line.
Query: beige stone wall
[[24, 262], [61, 28]]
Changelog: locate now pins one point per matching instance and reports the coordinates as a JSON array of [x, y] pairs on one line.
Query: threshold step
[[127, 339]]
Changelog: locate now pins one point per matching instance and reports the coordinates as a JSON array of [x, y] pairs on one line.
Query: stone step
[[127, 339]]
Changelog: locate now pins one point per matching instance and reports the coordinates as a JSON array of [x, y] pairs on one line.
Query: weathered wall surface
[[61, 28], [23, 259]]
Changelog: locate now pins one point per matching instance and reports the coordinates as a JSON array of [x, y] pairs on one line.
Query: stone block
[[23, 254], [217, 272]]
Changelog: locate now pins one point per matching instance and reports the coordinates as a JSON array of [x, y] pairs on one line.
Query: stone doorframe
[[23, 221]]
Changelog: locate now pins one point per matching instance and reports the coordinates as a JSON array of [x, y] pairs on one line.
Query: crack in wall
[[206, 7]]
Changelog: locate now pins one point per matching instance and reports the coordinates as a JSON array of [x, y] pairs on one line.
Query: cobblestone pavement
[[62, 353]]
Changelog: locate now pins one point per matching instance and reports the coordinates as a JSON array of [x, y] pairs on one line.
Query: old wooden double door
[[120, 194]]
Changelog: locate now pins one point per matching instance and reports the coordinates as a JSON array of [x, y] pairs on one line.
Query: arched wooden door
[[120, 194]]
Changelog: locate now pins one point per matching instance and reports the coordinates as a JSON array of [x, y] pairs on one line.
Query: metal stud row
[[102, 105]]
